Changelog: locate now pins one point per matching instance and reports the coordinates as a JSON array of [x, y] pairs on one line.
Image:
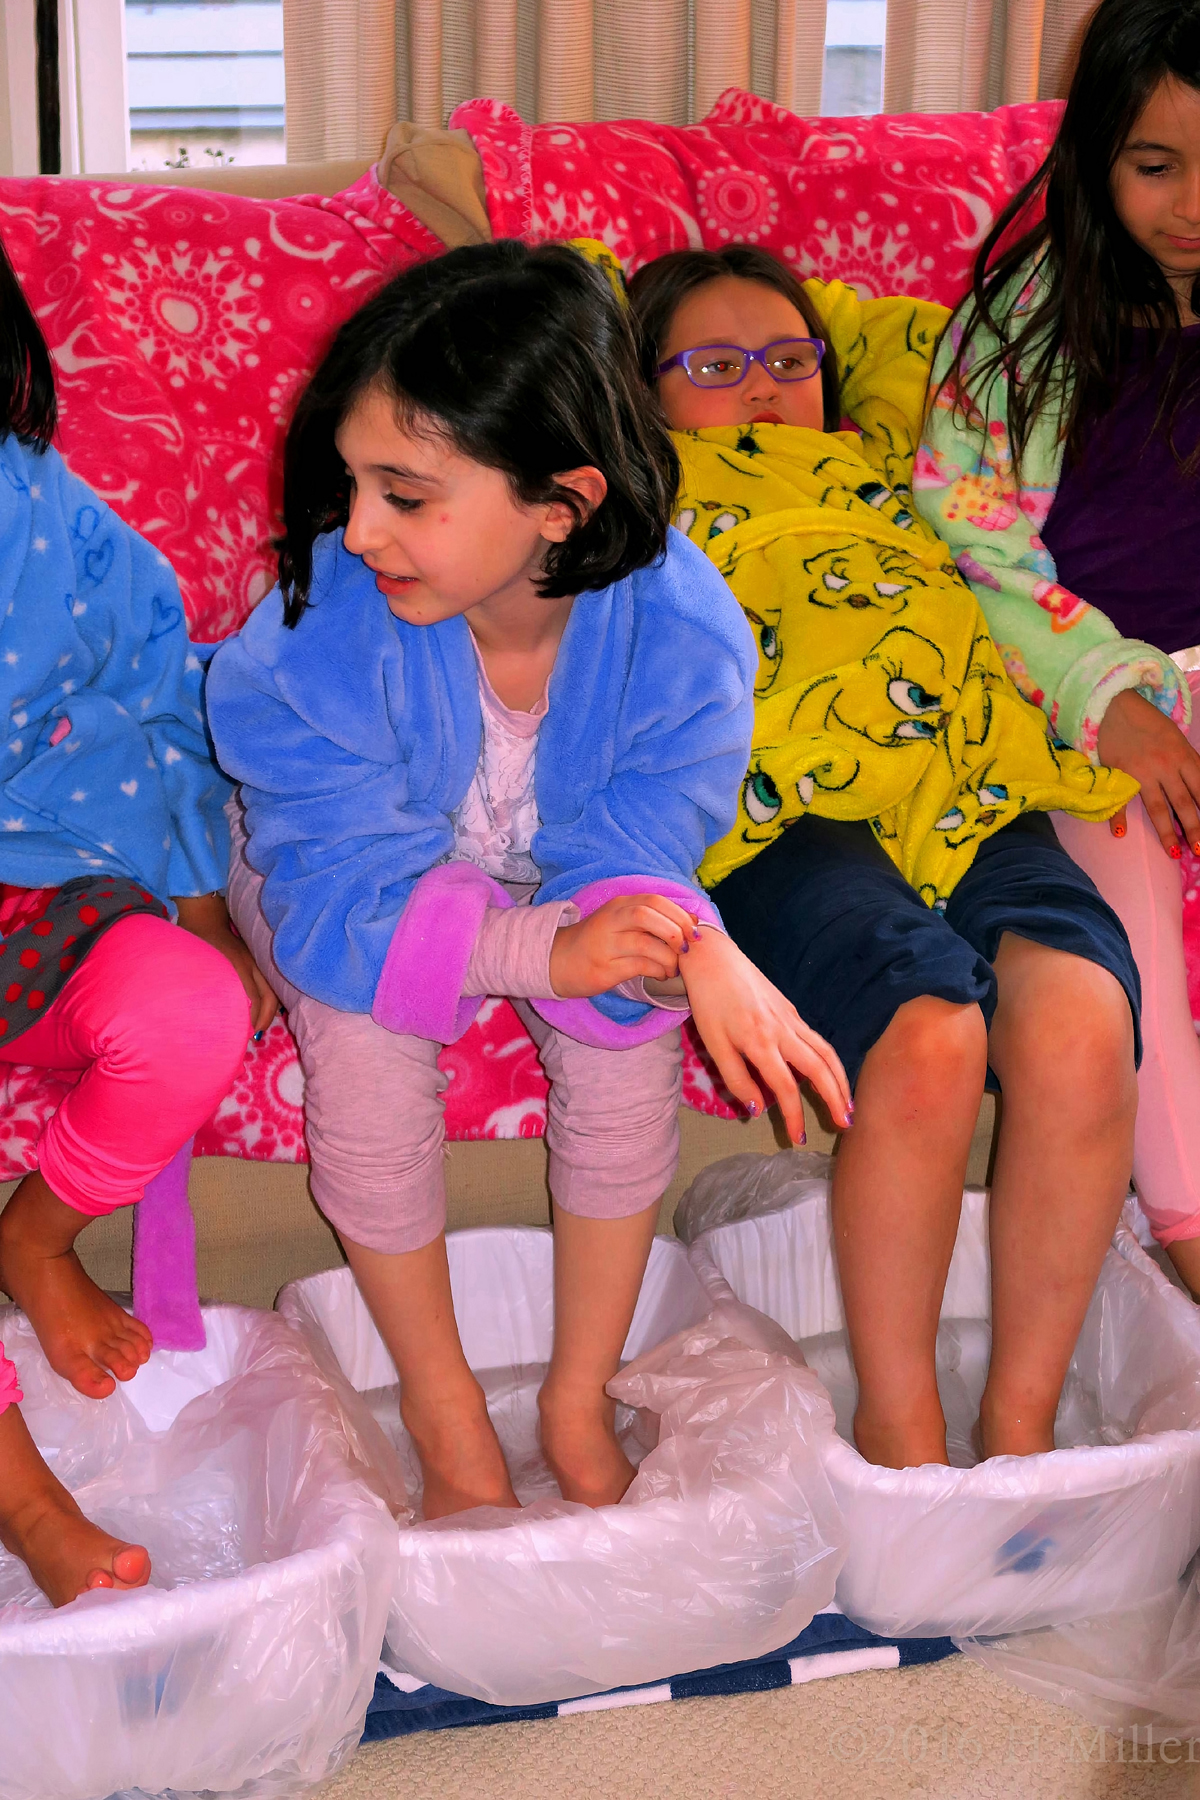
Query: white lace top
[[495, 824]]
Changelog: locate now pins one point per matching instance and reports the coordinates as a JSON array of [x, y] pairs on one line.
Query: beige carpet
[[951, 1731]]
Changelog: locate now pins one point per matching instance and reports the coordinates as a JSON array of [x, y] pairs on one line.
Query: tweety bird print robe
[[880, 693]]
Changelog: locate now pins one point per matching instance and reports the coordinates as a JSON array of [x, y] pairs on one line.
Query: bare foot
[[580, 1442], [1014, 1431], [908, 1444], [40, 1523], [87, 1338], [460, 1455]]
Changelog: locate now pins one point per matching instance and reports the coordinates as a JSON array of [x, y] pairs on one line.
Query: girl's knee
[[161, 997], [200, 996], [1072, 1038], [936, 1047]]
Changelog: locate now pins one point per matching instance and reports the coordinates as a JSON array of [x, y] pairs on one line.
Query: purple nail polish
[[803, 1138], [686, 947], [752, 1108], [696, 935]]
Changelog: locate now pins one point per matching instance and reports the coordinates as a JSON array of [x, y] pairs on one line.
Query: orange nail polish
[[1196, 849], [1176, 852], [1118, 831]]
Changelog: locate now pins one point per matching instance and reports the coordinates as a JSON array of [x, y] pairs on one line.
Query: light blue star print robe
[[104, 765]]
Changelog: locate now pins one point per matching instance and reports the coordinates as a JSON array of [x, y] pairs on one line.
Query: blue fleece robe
[[356, 735], [104, 766]]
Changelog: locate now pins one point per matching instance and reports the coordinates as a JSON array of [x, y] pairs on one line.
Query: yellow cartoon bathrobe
[[880, 693]]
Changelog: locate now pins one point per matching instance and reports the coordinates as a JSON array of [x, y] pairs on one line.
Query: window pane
[[205, 82], [853, 80]]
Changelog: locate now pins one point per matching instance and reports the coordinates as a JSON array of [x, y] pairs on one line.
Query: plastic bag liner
[[724, 1547], [982, 1549], [1134, 1671], [249, 1663]]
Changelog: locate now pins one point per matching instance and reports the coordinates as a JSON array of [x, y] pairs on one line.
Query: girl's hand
[[638, 934], [1136, 737], [206, 916], [743, 1017]]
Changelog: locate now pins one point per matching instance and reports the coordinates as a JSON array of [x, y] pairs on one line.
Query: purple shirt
[[1124, 529]]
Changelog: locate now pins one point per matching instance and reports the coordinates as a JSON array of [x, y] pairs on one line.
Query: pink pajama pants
[[1142, 885], [156, 1022], [373, 1110]]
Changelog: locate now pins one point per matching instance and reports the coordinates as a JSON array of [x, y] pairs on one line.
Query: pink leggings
[[157, 1022], [1141, 883]]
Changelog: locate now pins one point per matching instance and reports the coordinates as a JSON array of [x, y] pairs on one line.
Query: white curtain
[[607, 59], [971, 55], [339, 62], [354, 66]]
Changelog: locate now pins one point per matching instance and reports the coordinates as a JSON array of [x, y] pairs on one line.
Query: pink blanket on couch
[[183, 322]]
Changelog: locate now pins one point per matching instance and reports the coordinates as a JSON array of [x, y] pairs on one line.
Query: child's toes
[[86, 1376], [123, 1361], [126, 1352], [135, 1340], [131, 1566], [138, 1333]]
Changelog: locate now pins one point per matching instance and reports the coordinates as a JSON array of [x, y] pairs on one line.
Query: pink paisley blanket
[[183, 322]]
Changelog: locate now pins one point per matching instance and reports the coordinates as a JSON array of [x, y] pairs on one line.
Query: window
[[854, 31], [205, 82]]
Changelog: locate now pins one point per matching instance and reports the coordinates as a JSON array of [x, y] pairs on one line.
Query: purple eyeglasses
[[724, 365]]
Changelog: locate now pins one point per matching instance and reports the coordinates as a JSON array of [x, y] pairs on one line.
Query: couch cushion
[[182, 323], [895, 204]]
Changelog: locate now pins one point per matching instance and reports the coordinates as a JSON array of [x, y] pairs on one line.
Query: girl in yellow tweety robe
[[893, 869]]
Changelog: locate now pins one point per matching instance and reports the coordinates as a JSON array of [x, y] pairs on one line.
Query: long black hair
[[27, 404], [1065, 351], [524, 359], [660, 287]]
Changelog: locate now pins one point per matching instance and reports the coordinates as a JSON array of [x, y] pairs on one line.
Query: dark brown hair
[[28, 407], [524, 360], [1094, 279], [659, 288]]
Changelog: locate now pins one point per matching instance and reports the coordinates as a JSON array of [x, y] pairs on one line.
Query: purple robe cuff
[[579, 1019], [420, 991]]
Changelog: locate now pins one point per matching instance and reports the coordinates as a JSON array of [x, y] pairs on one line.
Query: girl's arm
[[335, 832], [128, 610], [1064, 656], [673, 716], [683, 724]]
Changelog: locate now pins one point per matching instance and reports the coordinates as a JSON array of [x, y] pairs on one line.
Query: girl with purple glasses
[[485, 728], [893, 870]]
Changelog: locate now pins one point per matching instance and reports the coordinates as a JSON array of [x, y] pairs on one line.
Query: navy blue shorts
[[828, 917]]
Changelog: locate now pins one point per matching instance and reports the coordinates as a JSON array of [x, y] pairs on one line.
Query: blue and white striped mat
[[832, 1645]]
